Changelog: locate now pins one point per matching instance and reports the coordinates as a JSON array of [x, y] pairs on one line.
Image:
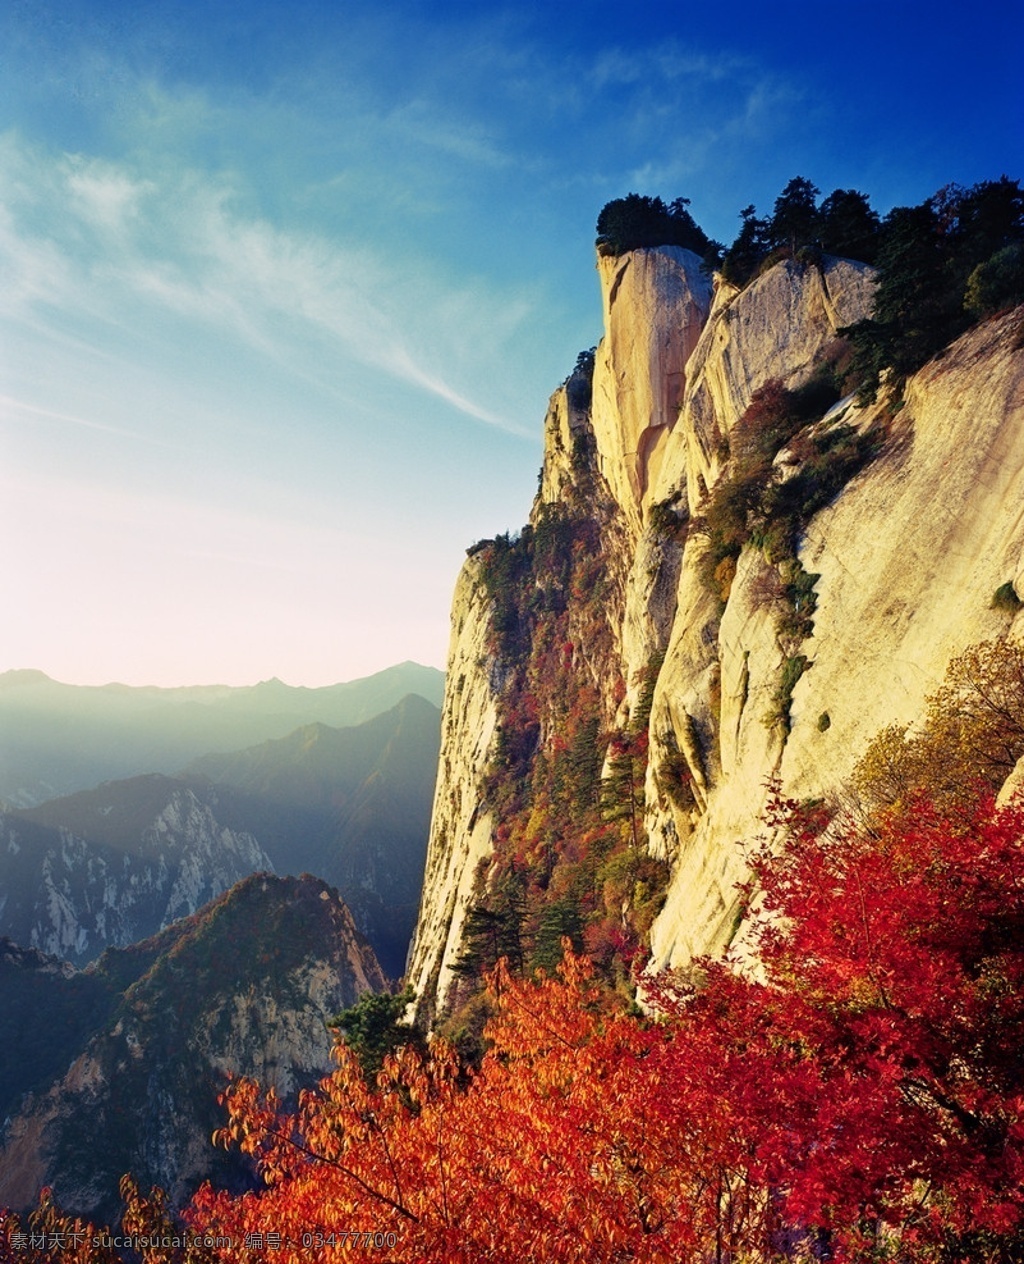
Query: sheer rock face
[[461, 825], [909, 554], [655, 304], [909, 557]]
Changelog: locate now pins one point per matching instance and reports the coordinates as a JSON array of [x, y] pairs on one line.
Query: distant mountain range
[[152, 944], [110, 865], [117, 1068], [56, 739], [350, 805]]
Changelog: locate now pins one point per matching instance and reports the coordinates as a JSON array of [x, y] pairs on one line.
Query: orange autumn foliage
[[861, 1100], [864, 1100], [457, 1173]]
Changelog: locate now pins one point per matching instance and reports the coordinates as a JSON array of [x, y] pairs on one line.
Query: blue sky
[[284, 287]]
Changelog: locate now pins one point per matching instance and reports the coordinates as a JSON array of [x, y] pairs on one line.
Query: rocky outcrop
[[908, 552], [655, 304], [246, 987], [111, 866], [778, 327], [577, 526]]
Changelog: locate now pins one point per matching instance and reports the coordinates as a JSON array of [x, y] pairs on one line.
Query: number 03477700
[[350, 1237]]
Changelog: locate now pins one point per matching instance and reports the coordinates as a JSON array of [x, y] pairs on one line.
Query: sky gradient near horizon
[[284, 288]]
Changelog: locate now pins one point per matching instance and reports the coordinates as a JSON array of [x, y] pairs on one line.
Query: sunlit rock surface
[[909, 555]]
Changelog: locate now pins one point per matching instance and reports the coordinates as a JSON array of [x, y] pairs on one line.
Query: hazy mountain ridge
[[245, 986], [114, 864], [56, 738], [351, 805]]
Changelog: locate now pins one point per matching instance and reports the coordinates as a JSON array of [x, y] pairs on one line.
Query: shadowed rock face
[[107, 867], [245, 987], [909, 552]]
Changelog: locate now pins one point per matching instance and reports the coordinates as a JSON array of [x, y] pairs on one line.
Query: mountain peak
[[246, 986], [728, 567], [24, 676]]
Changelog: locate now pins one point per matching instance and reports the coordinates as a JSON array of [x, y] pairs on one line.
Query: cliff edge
[[875, 538]]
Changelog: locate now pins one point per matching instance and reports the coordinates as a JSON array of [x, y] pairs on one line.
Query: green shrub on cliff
[[635, 221], [996, 283]]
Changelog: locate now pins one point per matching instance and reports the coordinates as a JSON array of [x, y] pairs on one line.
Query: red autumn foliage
[[859, 1098], [863, 1098]]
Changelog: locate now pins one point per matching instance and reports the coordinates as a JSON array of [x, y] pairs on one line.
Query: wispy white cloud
[[663, 62], [117, 245], [104, 194], [436, 386], [420, 122], [14, 409], [181, 227]]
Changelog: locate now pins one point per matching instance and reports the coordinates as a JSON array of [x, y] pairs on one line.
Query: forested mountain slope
[[141, 1043]]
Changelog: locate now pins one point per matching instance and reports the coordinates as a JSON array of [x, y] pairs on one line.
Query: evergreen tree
[[795, 221], [635, 221], [911, 301], [927, 258], [849, 227], [748, 250], [375, 1026]]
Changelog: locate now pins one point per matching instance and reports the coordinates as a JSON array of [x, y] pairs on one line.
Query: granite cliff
[[882, 532]]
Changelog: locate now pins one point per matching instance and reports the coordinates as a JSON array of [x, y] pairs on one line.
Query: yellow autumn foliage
[[971, 737]]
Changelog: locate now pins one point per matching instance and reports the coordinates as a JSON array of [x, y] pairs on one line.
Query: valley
[[159, 933]]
